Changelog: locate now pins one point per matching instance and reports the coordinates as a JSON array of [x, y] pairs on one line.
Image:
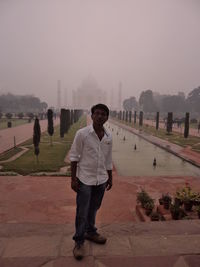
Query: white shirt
[[94, 157]]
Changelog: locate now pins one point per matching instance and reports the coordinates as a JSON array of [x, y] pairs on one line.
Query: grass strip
[[15, 122], [8, 154]]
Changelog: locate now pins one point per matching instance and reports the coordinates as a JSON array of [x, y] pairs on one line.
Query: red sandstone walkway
[[27, 199], [37, 224], [21, 134]]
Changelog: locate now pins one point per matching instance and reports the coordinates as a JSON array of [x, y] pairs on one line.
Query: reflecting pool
[[134, 156]]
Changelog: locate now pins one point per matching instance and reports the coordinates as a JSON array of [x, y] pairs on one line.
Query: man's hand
[[109, 184], [75, 184]]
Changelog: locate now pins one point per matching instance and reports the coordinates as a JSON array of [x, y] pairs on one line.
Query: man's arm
[[74, 157], [74, 179], [109, 182]]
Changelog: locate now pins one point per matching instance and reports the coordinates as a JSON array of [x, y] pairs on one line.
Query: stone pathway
[[158, 244], [21, 134], [37, 224]]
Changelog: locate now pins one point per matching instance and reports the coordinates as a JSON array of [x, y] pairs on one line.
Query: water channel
[[134, 156]]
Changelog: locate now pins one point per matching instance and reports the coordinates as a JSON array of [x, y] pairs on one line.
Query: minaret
[[65, 97], [111, 99], [120, 96], [58, 95]]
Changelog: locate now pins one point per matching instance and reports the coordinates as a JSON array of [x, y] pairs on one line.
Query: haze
[[141, 43]]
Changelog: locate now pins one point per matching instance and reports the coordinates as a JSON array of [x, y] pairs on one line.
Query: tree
[[173, 103], [169, 122], [16, 103], [62, 122], [130, 104], [147, 102], [141, 118], [50, 124], [157, 120], [36, 137], [30, 115], [8, 115], [20, 115], [193, 99], [187, 124]]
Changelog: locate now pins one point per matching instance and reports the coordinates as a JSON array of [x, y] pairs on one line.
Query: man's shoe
[[96, 238], [78, 251]]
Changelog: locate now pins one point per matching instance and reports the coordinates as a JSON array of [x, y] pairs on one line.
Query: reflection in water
[[139, 162]]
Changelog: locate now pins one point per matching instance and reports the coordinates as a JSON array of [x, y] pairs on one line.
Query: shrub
[[8, 115], [143, 197]]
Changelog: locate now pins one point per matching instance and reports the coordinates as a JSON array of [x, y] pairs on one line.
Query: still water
[[134, 157]]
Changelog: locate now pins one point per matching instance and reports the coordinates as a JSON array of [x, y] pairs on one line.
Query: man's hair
[[100, 106]]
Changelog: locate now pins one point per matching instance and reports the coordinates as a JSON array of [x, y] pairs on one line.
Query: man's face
[[99, 117]]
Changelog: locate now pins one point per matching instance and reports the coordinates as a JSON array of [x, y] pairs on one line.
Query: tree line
[[150, 101], [16, 104]]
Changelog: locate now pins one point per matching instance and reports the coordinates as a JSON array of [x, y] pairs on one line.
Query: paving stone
[[72, 262], [180, 227], [23, 262], [49, 264], [165, 245], [180, 262], [3, 242], [192, 260], [136, 261], [68, 245], [99, 264], [30, 229], [115, 245], [32, 246]]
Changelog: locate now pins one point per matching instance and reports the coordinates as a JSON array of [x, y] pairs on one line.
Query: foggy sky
[[145, 44]]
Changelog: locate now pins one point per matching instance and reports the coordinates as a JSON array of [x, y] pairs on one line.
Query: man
[[91, 170]]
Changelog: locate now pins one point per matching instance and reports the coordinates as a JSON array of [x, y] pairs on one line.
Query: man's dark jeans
[[88, 201]]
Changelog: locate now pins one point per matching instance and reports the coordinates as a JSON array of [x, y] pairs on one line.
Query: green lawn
[[15, 122], [51, 158], [8, 154]]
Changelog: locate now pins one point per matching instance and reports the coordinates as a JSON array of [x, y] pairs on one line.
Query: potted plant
[[198, 211], [187, 196], [166, 200], [178, 198], [175, 211], [149, 207], [155, 216], [196, 201], [143, 197], [160, 201]]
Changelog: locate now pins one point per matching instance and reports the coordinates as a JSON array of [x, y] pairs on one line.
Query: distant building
[[58, 94], [88, 94], [120, 96]]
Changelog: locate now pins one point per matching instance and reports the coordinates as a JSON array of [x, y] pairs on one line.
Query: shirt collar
[[91, 130]]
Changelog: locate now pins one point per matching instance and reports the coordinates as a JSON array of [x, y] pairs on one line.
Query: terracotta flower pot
[[188, 205], [175, 215], [166, 204], [148, 211], [178, 202]]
